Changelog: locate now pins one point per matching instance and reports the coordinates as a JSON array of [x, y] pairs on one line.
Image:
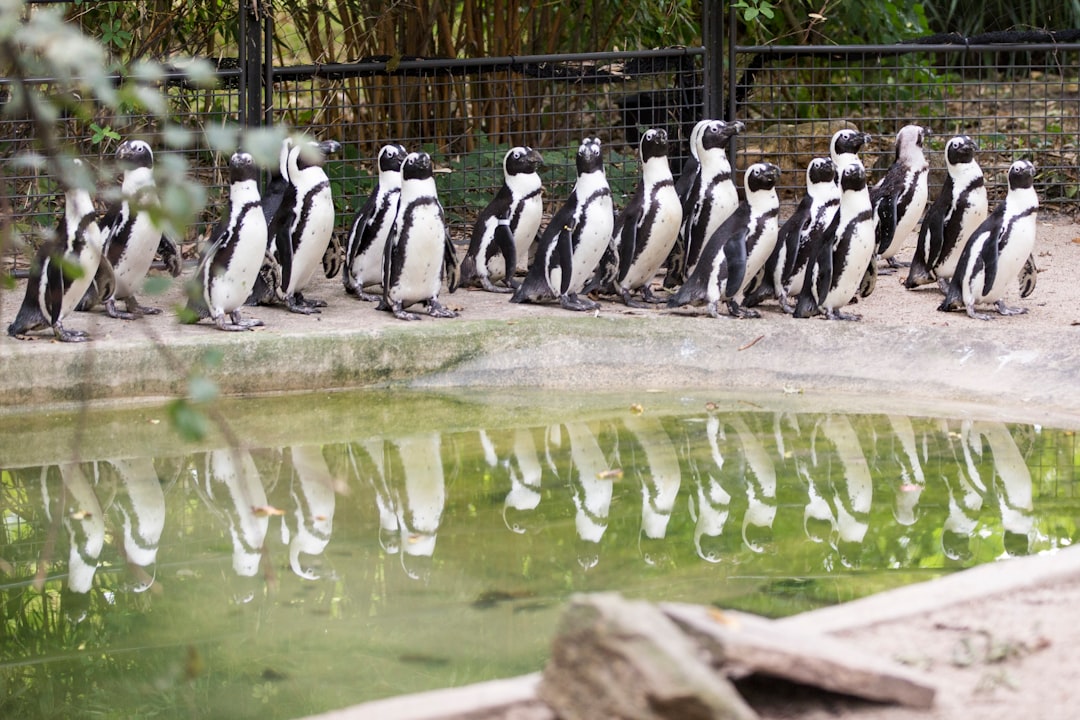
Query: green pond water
[[313, 552]]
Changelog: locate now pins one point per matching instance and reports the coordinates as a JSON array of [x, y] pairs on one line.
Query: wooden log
[[742, 644], [615, 658]]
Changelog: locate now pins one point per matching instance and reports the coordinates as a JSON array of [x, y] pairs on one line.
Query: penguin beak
[[536, 159], [330, 147], [733, 128]]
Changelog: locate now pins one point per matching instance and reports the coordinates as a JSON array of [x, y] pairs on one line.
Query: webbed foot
[[737, 311], [1004, 309], [64, 335], [837, 315], [297, 304], [112, 311], [438, 310], [492, 287], [571, 301]]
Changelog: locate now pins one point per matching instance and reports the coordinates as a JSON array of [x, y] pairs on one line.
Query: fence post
[[251, 66], [712, 37]]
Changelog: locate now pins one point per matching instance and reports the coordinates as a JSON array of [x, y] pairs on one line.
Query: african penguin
[[721, 268], [844, 147], [959, 209], [899, 198], [574, 240], [507, 227], [366, 244], [131, 236], [785, 270], [687, 188], [996, 252], [760, 183], [419, 253], [646, 229], [845, 251], [717, 195], [231, 262], [299, 233], [53, 289]]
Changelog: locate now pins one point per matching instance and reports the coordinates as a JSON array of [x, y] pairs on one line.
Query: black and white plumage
[[958, 210], [687, 188], [844, 148], [785, 269], [721, 268], [899, 198], [366, 244], [130, 234], [760, 185], [574, 240], [717, 196], [842, 258], [506, 228], [419, 254], [647, 228], [998, 250], [53, 291], [229, 265], [300, 231]]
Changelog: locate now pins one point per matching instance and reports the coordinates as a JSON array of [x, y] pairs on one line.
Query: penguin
[[785, 269], [760, 185], [687, 188], [130, 234], [997, 251], [899, 198], [62, 270], [844, 252], [366, 244], [419, 252], [506, 228], [647, 228], [721, 268], [959, 209], [574, 240], [717, 197], [229, 265], [844, 147], [300, 231]]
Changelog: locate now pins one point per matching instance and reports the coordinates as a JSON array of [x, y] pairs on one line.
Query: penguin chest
[[88, 260], [420, 246], [1018, 247], [367, 266], [910, 211], [138, 253], [760, 246], [310, 238], [971, 215], [850, 266], [229, 286], [594, 236], [656, 237], [532, 214]]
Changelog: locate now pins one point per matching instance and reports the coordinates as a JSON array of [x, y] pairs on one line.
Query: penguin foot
[[648, 296], [493, 288], [238, 324], [297, 304], [310, 302], [138, 310], [571, 301], [837, 315], [64, 335], [737, 311], [1004, 309], [438, 310], [112, 311], [368, 296], [895, 264], [400, 314], [631, 302]]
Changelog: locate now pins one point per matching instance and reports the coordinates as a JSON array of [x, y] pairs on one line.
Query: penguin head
[[522, 160], [853, 178], [910, 136], [695, 136], [961, 149], [761, 176], [314, 154], [717, 134], [242, 168], [135, 154], [417, 166], [391, 157], [820, 170], [654, 143], [1021, 175], [589, 157], [848, 141]]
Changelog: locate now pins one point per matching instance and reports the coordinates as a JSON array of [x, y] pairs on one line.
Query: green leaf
[[202, 389], [187, 420], [157, 285]]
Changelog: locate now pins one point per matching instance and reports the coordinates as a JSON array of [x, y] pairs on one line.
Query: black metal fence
[[1015, 100]]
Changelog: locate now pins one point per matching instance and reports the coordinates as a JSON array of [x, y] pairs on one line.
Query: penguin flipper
[[31, 315], [451, 271], [564, 253], [169, 252], [885, 227], [919, 272], [1029, 276], [988, 259], [504, 241]]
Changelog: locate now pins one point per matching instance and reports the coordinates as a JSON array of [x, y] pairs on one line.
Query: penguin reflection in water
[[573, 242], [998, 250], [230, 264], [62, 271], [419, 253]]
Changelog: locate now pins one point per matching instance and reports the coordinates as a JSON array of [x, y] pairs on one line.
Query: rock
[[743, 644], [615, 658]]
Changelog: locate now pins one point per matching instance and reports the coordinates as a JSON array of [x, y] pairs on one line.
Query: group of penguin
[[718, 245]]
